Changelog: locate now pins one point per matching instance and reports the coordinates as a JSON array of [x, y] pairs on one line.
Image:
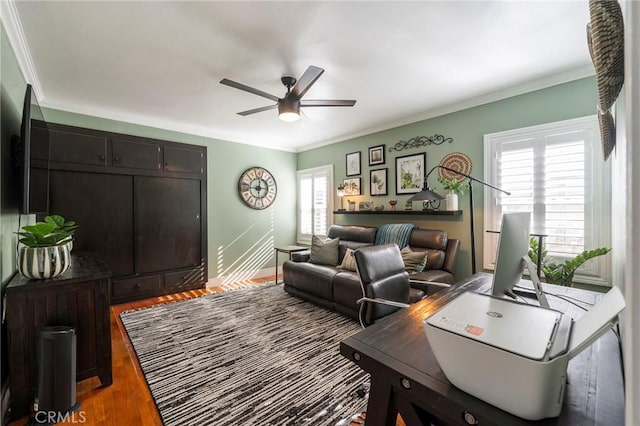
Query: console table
[[79, 298], [406, 378]]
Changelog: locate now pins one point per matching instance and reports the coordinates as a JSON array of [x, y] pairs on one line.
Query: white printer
[[513, 355]]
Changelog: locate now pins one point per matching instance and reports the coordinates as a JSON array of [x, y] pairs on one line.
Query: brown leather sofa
[[339, 289]]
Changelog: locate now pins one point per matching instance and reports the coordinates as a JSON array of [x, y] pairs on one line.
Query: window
[[555, 171], [315, 202]]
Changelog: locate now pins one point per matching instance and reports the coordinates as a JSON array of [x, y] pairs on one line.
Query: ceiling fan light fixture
[[289, 109]]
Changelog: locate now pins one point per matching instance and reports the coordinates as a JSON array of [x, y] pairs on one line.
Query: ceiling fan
[[289, 106]]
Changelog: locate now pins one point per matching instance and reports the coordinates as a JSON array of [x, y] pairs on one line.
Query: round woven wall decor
[[456, 161], [605, 38]]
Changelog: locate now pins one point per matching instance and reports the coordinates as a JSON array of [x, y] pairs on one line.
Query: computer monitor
[[512, 255]]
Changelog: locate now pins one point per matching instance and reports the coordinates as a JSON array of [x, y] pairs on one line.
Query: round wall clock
[[257, 188]]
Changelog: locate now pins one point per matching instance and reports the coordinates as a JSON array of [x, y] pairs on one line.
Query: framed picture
[[410, 173], [378, 182], [376, 155], [351, 186], [353, 163]]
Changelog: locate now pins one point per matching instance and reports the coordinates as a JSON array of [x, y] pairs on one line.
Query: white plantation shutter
[[557, 173], [315, 202]]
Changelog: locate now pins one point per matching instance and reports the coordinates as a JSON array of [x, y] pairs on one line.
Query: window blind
[[314, 202], [551, 171]]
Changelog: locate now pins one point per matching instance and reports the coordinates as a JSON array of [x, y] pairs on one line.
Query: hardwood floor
[[128, 400]]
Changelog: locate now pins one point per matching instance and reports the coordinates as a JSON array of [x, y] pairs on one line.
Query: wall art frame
[[410, 170], [376, 155], [378, 182], [352, 186], [353, 163]]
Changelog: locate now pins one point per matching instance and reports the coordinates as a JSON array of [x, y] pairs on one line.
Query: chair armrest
[[383, 302], [429, 287]]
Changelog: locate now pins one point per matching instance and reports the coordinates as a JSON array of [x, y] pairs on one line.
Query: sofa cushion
[[348, 261], [352, 237], [324, 252], [413, 261]]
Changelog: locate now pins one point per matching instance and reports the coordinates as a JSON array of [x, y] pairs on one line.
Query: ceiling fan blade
[[253, 111], [327, 103], [306, 81], [246, 88]]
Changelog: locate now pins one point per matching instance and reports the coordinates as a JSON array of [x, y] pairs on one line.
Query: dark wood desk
[[406, 378], [79, 298]]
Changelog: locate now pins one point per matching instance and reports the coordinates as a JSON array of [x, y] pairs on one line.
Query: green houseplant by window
[[561, 273], [46, 247]]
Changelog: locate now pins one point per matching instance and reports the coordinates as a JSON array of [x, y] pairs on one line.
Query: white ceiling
[[160, 63]]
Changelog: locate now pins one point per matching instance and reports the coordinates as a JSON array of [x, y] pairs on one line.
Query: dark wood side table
[[79, 298], [407, 379], [288, 250]]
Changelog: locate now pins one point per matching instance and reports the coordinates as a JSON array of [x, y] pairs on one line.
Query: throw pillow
[[414, 261], [348, 262], [324, 252]]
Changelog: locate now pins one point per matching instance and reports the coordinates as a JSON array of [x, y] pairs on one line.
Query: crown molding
[[531, 86], [17, 39], [144, 121]]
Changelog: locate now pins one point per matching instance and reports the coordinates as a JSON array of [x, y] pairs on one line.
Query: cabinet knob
[[116, 158], [101, 157]]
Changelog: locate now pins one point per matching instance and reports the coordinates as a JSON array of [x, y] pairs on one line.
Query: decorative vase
[[452, 201], [393, 204], [44, 262]]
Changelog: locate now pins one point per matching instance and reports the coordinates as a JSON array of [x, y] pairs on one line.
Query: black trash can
[[56, 387]]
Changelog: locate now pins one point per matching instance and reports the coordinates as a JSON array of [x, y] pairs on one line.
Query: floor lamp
[[428, 195]]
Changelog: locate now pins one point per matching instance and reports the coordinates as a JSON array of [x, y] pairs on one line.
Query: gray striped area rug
[[254, 356]]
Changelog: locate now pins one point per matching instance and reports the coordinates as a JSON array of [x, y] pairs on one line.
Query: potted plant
[[46, 247], [561, 273], [455, 187]]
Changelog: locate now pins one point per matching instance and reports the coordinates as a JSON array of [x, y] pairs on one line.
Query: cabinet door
[[102, 206], [70, 147], [135, 154], [183, 160], [167, 223]]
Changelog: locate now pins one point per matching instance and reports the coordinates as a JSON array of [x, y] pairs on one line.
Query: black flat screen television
[[33, 154]]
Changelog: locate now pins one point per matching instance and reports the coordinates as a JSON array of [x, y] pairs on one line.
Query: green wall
[[12, 88], [467, 128], [240, 239]]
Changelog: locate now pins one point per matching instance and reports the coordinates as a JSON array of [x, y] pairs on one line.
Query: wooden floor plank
[[128, 400]]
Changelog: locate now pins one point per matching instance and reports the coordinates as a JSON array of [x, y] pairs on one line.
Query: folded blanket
[[398, 233]]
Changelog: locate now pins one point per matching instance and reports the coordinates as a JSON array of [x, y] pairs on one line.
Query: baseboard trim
[[241, 276]]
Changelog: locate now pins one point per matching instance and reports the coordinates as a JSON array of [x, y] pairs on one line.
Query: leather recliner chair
[[384, 282]]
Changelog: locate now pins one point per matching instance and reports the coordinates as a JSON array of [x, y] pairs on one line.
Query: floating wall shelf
[[405, 212]]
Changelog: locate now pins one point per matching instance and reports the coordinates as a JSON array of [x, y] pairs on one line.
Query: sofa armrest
[[301, 256]]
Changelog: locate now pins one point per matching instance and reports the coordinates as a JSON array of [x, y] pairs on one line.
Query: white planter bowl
[[44, 262]]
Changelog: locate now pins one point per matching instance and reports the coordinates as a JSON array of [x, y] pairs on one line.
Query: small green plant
[[453, 184], [561, 273], [52, 232]]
